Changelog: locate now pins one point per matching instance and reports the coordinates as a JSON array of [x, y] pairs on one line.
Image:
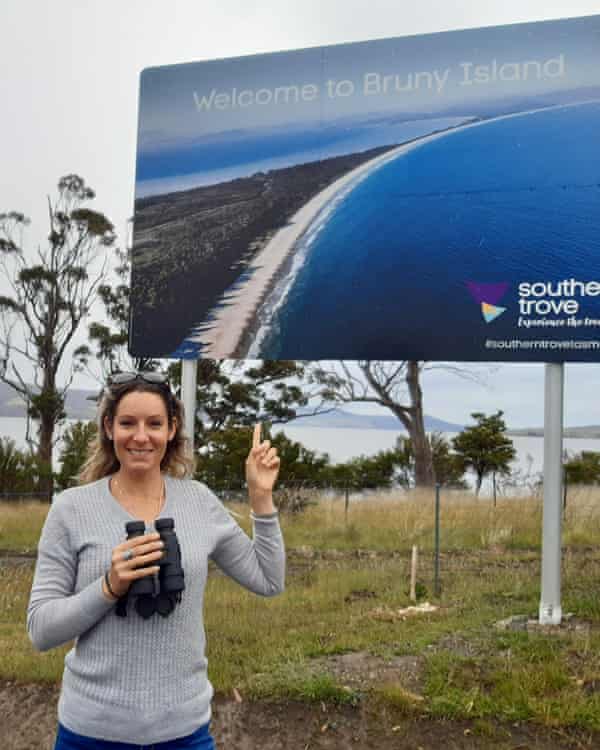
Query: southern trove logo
[[488, 296]]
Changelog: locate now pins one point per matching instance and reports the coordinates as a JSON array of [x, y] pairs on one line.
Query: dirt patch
[[29, 715], [362, 671], [29, 722], [458, 645]]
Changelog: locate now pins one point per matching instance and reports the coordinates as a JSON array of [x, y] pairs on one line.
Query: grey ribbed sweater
[[130, 679]]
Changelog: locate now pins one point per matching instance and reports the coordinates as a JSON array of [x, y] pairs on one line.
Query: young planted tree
[[485, 447], [51, 291], [583, 468], [449, 468]]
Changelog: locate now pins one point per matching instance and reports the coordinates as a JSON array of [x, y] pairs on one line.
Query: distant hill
[[340, 419], [79, 406]]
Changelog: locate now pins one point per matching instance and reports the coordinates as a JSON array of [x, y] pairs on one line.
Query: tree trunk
[[46, 435], [478, 484], [49, 406], [384, 384], [424, 475]]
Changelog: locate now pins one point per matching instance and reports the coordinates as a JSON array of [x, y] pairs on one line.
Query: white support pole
[[550, 606], [188, 395]]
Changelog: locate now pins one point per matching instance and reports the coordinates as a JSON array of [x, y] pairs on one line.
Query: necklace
[[161, 497]]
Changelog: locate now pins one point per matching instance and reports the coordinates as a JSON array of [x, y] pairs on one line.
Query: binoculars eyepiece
[[159, 593]]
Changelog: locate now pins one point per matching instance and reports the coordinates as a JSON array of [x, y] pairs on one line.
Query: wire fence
[[16, 497], [295, 493]]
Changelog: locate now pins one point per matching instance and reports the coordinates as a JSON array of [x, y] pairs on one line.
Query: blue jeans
[[201, 739]]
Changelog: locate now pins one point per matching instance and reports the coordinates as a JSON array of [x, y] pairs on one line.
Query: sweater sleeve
[[56, 614], [258, 564]]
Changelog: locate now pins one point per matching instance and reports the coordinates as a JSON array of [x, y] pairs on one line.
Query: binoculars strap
[[121, 608]]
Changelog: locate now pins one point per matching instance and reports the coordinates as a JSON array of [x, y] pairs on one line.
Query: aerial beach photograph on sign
[[361, 200]]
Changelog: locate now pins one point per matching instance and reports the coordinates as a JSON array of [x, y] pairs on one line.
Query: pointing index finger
[[256, 435]]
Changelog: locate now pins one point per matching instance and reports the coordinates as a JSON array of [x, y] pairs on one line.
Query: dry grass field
[[337, 644]]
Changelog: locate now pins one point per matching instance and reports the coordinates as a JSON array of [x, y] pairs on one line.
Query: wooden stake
[[413, 573]]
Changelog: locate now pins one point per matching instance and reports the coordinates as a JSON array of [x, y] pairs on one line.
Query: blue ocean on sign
[[383, 271]]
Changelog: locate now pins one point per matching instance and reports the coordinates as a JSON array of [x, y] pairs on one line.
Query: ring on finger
[[128, 555]]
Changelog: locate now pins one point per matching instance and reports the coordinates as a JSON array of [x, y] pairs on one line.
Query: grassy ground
[[347, 578]]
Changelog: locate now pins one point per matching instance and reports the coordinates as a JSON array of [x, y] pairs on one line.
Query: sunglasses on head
[[123, 378]]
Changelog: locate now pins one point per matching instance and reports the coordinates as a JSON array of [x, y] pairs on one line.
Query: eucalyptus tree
[[49, 293]]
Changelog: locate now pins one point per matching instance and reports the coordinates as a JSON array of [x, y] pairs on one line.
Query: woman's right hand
[[146, 549]]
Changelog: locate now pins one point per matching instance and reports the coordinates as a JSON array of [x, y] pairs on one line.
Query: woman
[[139, 680]]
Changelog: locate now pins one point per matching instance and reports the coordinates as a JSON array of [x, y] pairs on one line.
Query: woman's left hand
[[262, 467]]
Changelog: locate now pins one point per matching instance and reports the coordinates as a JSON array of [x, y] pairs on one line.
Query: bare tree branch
[[392, 385]]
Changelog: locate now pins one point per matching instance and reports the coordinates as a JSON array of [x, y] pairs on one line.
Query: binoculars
[[159, 593]]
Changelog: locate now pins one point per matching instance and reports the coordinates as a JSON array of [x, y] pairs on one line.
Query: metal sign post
[[550, 607], [188, 395]]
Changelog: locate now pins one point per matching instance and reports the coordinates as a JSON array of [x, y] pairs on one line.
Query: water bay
[[343, 444], [386, 269]]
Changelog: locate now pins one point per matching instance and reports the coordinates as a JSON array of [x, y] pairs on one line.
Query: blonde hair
[[102, 461]]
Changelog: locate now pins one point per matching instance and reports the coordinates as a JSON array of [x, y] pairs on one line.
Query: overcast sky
[[70, 74]]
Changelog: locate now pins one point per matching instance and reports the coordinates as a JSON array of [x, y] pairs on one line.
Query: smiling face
[[140, 432]]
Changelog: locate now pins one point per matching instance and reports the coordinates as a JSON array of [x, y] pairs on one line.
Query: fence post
[[413, 573], [346, 503], [436, 580]]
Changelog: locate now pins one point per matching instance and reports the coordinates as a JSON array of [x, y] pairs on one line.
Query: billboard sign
[[429, 197]]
